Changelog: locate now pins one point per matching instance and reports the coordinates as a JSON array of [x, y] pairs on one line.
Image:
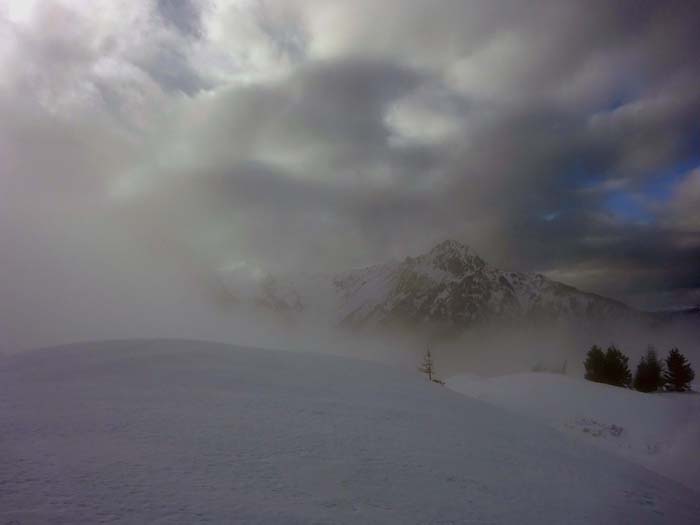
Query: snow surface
[[659, 431], [192, 432]]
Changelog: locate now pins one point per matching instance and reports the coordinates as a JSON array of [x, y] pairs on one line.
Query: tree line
[[611, 367]]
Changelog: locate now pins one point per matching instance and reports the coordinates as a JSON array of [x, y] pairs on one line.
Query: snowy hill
[[448, 287], [191, 432], [658, 431]]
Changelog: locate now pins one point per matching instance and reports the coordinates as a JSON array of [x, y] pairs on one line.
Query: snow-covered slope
[[449, 287], [185, 432], [659, 431]]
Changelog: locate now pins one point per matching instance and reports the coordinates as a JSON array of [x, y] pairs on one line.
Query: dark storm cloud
[[183, 14], [288, 166], [173, 72]]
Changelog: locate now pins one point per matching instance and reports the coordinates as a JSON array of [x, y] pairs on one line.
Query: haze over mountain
[[450, 288]]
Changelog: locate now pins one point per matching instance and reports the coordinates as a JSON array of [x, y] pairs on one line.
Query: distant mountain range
[[679, 314], [450, 287]]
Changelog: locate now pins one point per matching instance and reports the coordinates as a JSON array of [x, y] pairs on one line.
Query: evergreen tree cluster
[[612, 368]]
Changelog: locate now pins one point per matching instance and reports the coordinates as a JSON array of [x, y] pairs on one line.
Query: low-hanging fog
[[147, 147]]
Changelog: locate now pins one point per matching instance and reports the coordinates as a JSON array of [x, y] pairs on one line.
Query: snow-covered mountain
[[450, 287]]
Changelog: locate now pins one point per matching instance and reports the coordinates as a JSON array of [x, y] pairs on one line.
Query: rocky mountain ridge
[[449, 286]]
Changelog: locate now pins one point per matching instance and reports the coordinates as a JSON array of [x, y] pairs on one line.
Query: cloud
[[326, 134], [683, 210]]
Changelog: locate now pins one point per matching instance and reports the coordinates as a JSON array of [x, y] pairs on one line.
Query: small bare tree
[[428, 368]]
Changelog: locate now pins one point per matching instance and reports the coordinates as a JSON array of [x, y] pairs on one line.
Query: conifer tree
[[678, 373], [617, 370], [649, 374], [595, 364]]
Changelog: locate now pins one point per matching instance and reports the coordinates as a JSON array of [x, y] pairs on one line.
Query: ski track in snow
[[191, 432]]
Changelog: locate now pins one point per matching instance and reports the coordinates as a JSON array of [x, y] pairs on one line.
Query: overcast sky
[[178, 138]]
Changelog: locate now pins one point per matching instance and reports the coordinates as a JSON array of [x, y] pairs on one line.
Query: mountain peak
[[450, 246], [454, 257]]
